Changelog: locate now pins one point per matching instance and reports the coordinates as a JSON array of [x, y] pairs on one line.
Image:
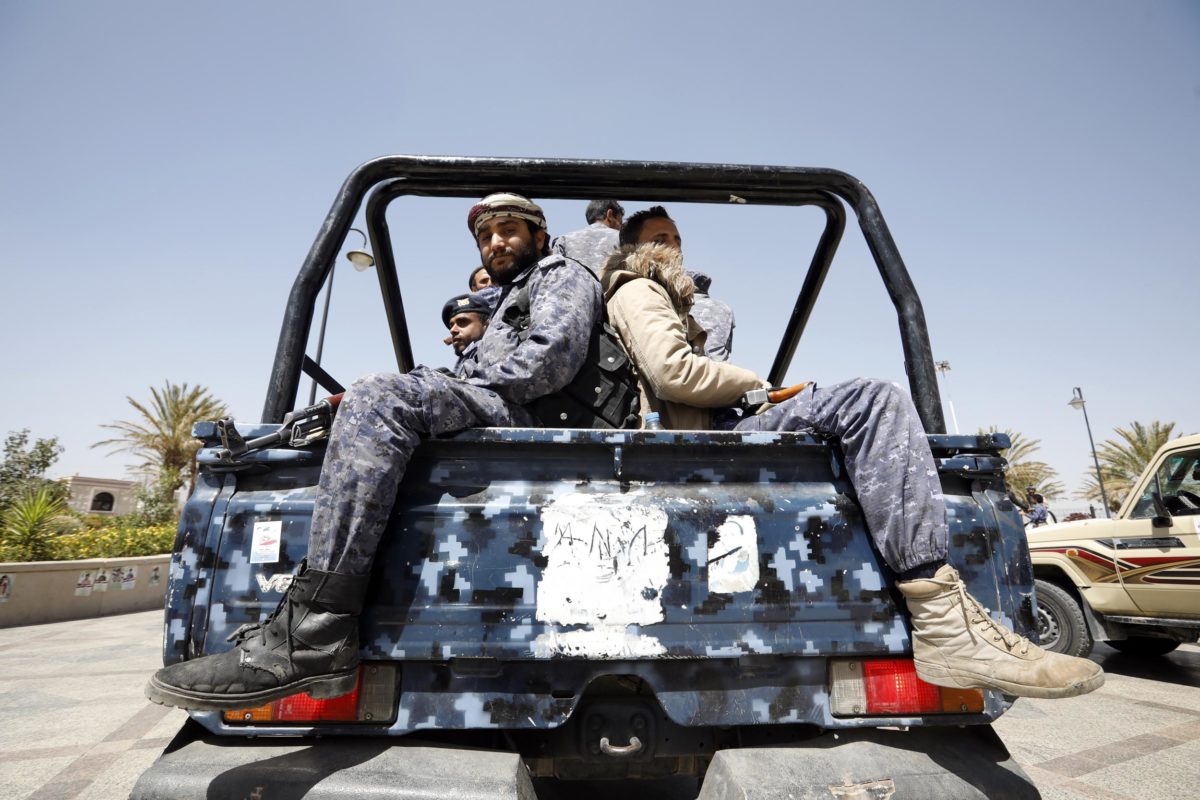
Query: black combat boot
[[308, 644]]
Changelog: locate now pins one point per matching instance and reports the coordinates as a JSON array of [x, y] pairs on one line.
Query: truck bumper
[[868, 764], [199, 765], [942, 763]]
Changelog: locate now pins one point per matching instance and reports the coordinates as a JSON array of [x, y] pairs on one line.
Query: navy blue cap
[[471, 302]]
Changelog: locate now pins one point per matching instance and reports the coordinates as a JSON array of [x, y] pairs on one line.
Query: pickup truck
[[765, 652], [1132, 581]]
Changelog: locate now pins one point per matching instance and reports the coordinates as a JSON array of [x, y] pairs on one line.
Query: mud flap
[[199, 765], [873, 764]]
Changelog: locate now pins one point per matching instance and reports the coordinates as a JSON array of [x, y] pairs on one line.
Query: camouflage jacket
[[564, 304], [590, 246], [465, 359], [717, 320]]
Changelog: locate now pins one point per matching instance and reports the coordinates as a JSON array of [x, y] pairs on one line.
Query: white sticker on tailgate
[[264, 547], [733, 559]]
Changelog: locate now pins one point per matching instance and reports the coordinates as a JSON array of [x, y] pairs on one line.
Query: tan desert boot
[[957, 645]]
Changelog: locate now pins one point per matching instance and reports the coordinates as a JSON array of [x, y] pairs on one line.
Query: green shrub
[[119, 540], [27, 530]]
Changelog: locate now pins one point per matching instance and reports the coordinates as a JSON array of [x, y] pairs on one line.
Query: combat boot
[[957, 645], [308, 644]]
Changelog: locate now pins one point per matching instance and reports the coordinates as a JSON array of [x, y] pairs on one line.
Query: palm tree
[[163, 435], [27, 525], [1122, 460], [1022, 469]]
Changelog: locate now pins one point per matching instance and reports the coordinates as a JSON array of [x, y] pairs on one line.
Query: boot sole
[[319, 687], [940, 675]]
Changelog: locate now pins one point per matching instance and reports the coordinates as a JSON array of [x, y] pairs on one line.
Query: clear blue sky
[[166, 167]]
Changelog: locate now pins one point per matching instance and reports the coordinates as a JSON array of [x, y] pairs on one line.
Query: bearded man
[[310, 643], [955, 642]]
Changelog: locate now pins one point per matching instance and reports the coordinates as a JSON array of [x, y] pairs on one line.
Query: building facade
[[105, 496]]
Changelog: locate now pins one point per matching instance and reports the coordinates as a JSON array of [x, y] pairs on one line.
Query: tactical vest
[[603, 394]]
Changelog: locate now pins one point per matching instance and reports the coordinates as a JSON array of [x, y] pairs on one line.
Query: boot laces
[[975, 615], [244, 632]]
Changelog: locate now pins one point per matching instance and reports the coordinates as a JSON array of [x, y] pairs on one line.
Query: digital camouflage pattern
[[466, 571], [564, 303], [888, 459], [465, 359], [383, 417], [590, 246], [716, 317]]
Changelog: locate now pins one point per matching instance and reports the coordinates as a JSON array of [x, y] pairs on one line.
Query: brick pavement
[[74, 723]]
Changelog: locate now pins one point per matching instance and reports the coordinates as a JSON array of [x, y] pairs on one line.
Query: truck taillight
[[373, 700], [889, 687]]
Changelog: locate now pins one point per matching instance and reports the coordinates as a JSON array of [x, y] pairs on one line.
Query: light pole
[[1079, 403], [362, 261], [943, 367]]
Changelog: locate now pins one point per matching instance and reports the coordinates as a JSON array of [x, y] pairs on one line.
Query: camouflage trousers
[[378, 425], [887, 457]]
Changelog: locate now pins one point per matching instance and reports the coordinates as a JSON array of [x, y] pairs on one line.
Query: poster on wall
[[100, 584], [6, 584], [155, 576], [129, 579], [83, 586]]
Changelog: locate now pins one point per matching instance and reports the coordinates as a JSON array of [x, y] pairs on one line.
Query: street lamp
[[362, 261], [943, 367], [1077, 402]]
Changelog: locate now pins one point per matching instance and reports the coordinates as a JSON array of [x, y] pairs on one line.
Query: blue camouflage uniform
[[465, 359], [887, 457], [715, 317], [589, 246], [383, 417]]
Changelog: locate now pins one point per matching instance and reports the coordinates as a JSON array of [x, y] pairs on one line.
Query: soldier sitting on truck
[[479, 279], [955, 642], [593, 244], [466, 317], [310, 643]]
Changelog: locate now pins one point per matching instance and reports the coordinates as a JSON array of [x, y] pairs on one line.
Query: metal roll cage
[[392, 177]]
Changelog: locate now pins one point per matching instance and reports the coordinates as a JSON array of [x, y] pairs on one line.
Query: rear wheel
[[1061, 626], [1144, 645]]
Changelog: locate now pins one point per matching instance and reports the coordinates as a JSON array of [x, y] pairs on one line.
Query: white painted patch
[[264, 545], [606, 568], [733, 558], [600, 641]]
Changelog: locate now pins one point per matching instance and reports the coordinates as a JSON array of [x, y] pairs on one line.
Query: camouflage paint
[[467, 551]]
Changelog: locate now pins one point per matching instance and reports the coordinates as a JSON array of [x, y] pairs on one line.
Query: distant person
[[714, 316], [466, 317], [1037, 513], [479, 279], [591, 245]]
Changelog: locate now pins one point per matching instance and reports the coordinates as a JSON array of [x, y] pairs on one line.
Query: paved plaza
[[74, 724]]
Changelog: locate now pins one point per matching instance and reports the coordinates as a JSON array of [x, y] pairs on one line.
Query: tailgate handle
[[634, 746]]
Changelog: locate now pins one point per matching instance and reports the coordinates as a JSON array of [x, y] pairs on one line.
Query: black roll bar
[[573, 179]]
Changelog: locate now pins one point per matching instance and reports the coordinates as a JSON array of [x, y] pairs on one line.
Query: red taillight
[[888, 687], [892, 687], [372, 700]]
